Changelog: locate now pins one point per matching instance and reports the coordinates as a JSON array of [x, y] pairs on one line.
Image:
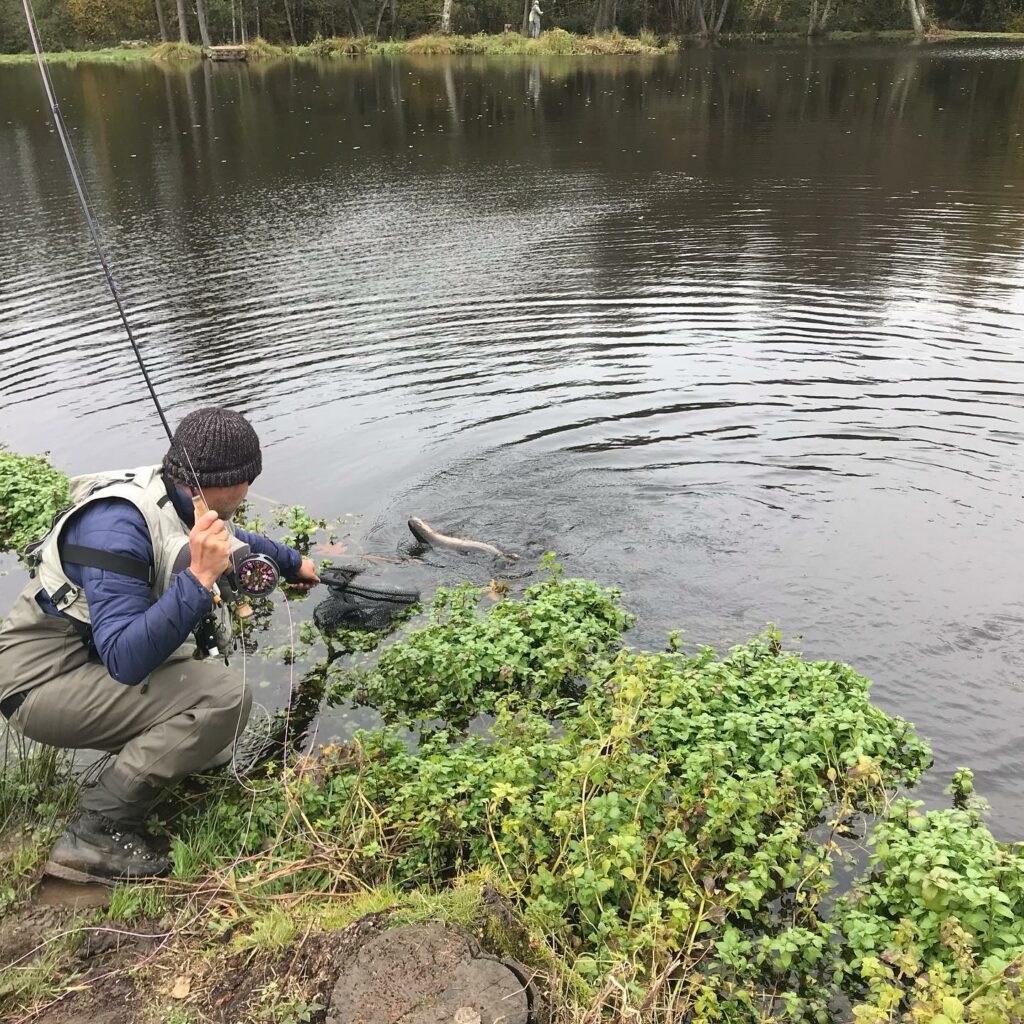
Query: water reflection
[[737, 330]]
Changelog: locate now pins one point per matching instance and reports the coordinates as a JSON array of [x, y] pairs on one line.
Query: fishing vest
[[144, 488]]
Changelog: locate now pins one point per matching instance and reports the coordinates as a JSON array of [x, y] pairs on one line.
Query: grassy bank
[[110, 55], [555, 42]]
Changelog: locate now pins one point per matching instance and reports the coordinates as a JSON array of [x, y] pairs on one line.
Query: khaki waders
[[177, 722]]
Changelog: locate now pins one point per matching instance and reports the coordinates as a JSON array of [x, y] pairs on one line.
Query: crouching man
[[97, 651]]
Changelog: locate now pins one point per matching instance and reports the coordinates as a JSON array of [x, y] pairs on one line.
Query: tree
[[918, 17], [182, 22], [819, 16], [446, 18], [604, 19], [355, 20], [103, 20], [204, 28], [291, 27], [161, 24], [711, 18]]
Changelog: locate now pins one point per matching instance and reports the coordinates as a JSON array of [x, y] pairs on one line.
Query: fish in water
[[428, 535]]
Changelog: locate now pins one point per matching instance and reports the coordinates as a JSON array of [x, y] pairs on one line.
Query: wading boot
[[95, 849]]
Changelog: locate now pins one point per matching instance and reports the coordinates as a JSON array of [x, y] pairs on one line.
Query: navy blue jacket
[[132, 634]]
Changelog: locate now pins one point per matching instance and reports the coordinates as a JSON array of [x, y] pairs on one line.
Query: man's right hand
[[211, 549]]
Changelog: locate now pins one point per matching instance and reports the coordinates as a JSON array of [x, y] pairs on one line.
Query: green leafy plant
[[277, 1006], [662, 827], [299, 525], [679, 816], [31, 493], [463, 663], [940, 919]]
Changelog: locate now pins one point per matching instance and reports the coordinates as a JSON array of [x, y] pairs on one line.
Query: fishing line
[[83, 198]]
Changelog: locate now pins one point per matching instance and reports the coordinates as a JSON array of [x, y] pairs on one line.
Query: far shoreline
[[557, 43]]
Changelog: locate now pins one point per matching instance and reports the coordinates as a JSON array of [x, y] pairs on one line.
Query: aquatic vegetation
[[300, 527], [940, 914], [463, 664], [31, 493], [666, 825]]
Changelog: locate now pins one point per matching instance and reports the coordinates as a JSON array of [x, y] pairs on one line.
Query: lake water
[[738, 331]]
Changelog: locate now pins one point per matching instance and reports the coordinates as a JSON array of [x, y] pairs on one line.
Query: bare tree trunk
[[394, 18], [818, 19], [526, 17], [446, 18], [182, 22], [915, 18], [204, 28], [241, 21], [380, 18], [355, 21], [257, 17], [160, 21], [702, 22], [291, 29], [721, 17], [605, 17]]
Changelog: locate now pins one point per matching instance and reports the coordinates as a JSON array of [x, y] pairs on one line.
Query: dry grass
[[177, 51]]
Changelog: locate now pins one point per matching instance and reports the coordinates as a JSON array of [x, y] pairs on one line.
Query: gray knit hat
[[222, 445]]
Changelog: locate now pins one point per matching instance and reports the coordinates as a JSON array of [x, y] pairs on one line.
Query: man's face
[[225, 500]]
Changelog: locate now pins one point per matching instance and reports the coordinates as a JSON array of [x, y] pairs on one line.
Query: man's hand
[[211, 549], [306, 577]]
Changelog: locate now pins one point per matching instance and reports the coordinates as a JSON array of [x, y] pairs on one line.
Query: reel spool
[[251, 575]]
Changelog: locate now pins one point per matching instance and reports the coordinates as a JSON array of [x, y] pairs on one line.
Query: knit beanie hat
[[222, 445]]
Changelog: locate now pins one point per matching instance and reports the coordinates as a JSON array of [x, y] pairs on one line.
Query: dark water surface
[[738, 331]]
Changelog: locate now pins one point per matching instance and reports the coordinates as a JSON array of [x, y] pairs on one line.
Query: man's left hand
[[306, 577]]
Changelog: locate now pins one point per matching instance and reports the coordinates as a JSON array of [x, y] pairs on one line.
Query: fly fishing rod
[[256, 575], [90, 220]]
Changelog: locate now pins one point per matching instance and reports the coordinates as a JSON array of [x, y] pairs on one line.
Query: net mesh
[[365, 604]]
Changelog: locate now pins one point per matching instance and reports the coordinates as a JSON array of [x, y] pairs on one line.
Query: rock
[[427, 974]]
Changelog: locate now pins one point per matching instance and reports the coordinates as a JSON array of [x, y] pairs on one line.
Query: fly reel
[[251, 575]]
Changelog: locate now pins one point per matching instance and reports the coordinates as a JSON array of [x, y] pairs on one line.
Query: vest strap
[[96, 558]]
